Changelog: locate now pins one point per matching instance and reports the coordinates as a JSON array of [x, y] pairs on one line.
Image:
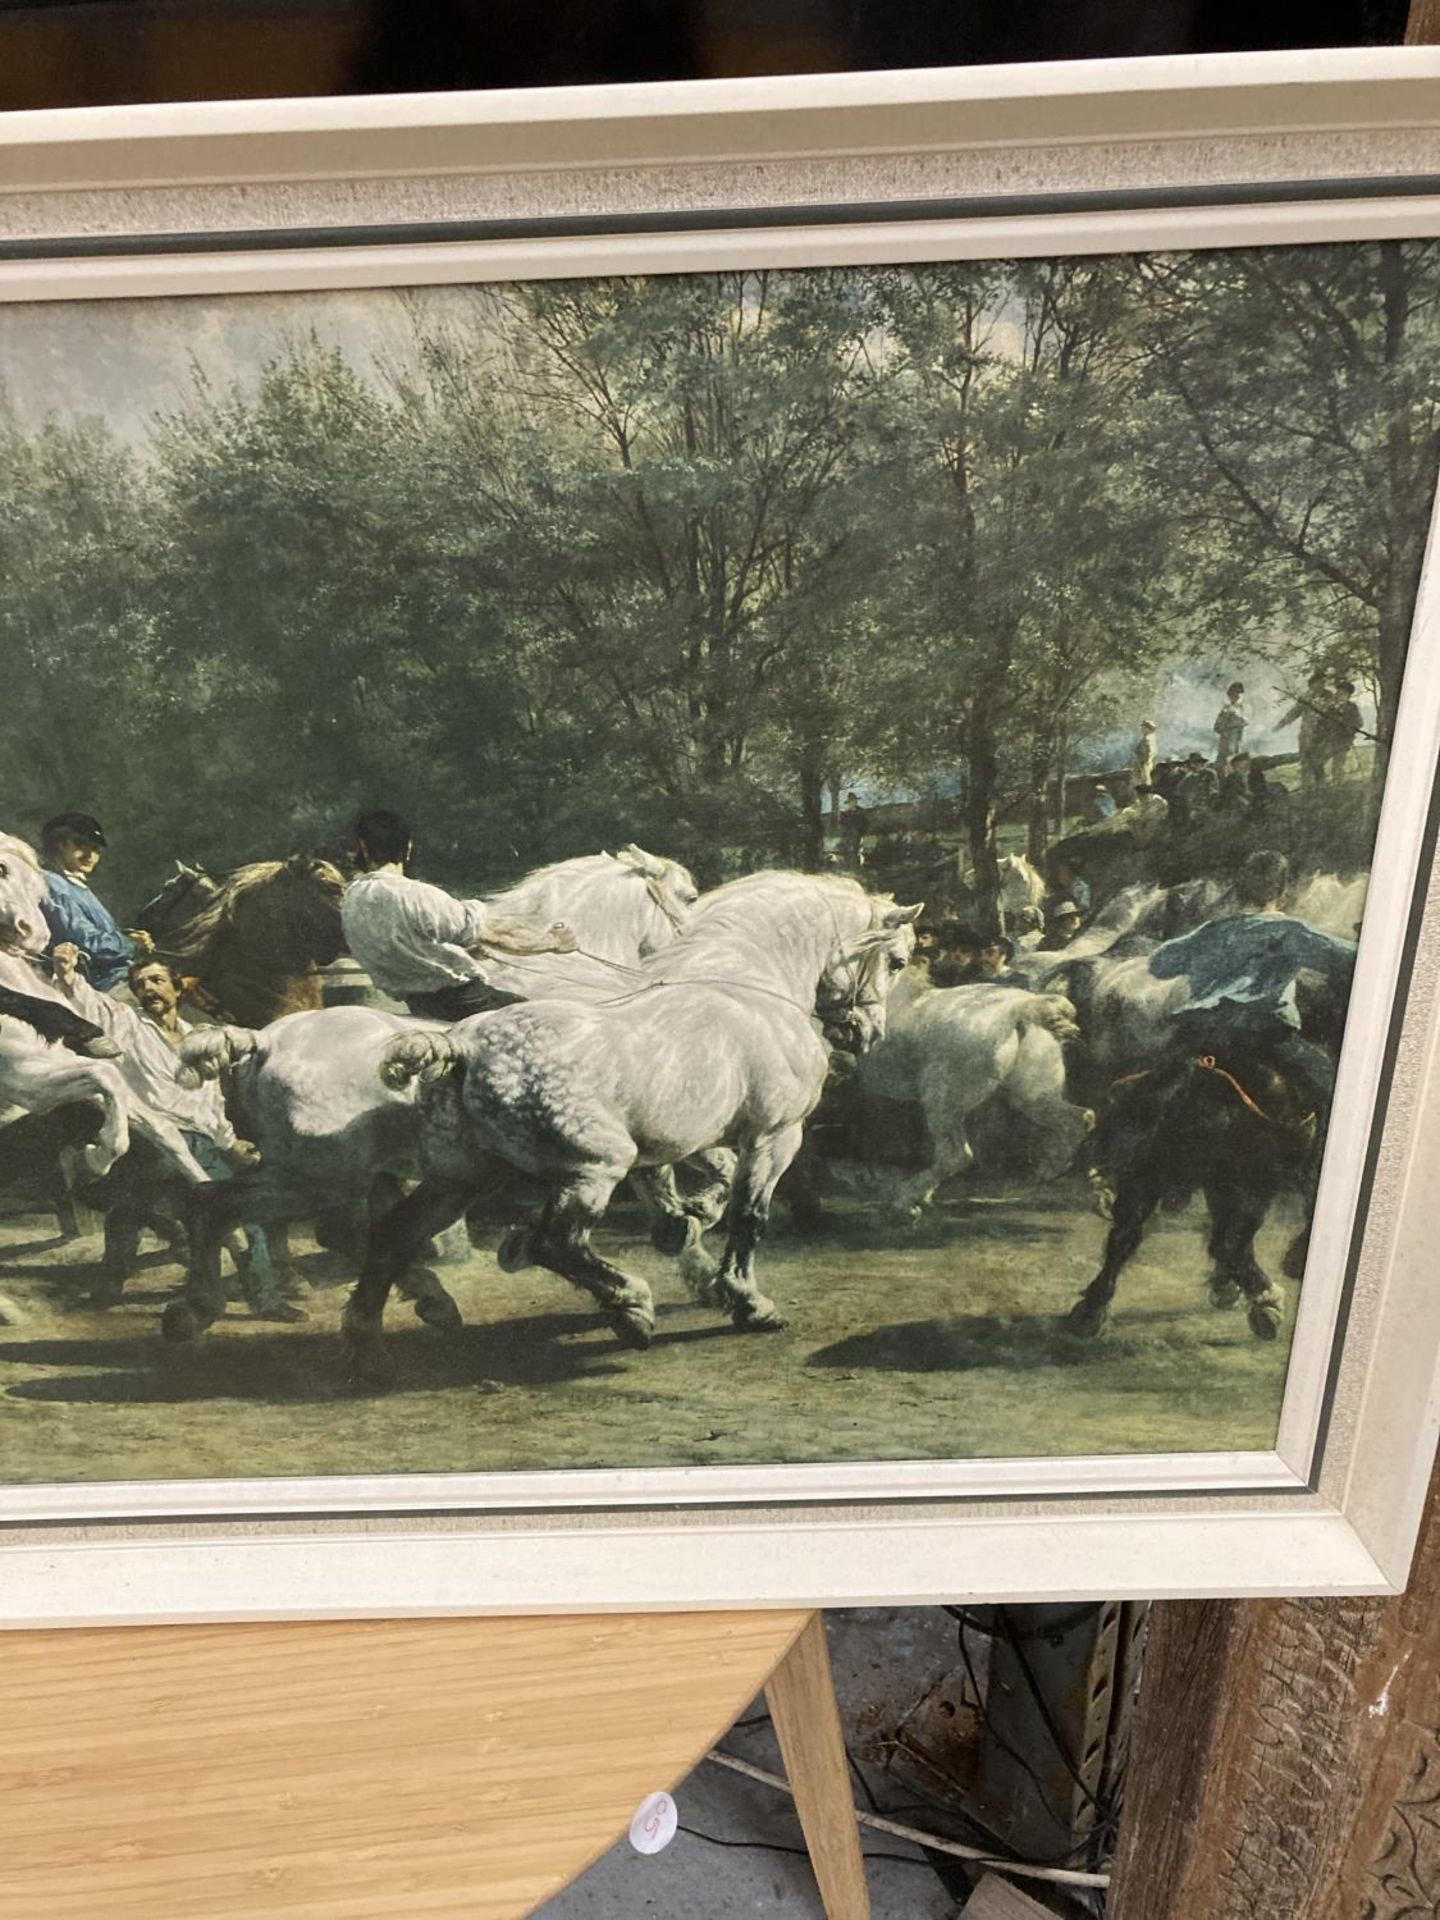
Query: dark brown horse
[[255, 941], [1233, 1129]]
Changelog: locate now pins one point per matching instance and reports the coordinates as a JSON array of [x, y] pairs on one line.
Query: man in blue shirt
[[70, 848], [1241, 973]]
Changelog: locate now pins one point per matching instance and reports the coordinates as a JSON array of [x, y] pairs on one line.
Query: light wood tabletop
[[375, 1768]]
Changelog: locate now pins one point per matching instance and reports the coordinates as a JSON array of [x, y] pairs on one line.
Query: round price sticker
[[653, 1827]]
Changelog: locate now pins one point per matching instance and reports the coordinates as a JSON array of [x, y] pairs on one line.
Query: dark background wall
[[96, 52]]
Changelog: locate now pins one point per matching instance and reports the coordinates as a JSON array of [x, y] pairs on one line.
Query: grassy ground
[[933, 1341]]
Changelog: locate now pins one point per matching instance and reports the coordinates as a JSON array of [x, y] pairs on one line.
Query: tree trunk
[[1062, 756], [982, 769], [1286, 1760], [812, 812], [1038, 827]]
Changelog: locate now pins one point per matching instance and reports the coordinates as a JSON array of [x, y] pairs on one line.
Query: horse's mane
[[582, 866], [193, 933], [718, 906], [590, 863], [22, 850]]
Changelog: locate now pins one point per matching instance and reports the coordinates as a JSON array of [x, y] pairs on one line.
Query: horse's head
[[22, 898], [308, 892], [857, 979], [670, 886], [184, 893]]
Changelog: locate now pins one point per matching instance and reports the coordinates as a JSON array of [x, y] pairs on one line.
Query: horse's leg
[[282, 1255], [672, 1228], [41, 1078], [394, 1246], [1224, 1287], [561, 1242], [211, 1213], [707, 1203], [123, 1223], [951, 1154], [1238, 1210], [733, 1286], [1134, 1202], [1036, 1089]]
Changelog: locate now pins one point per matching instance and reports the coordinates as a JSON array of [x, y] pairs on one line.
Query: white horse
[[38, 1076], [1330, 904], [1021, 885], [718, 1047], [307, 1089], [951, 1048]]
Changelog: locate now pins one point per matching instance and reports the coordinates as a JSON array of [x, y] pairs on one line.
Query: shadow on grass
[[309, 1368], [963, 1342]]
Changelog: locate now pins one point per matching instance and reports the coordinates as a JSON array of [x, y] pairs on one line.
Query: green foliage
[[671, 559]]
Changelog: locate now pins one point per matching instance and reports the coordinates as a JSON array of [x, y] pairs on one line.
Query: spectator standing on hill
[[1230, 725], [852, 830], [1313, 710], [1142, 757], [1344, 726]]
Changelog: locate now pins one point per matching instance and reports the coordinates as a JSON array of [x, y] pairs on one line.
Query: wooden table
[[376, 1768]]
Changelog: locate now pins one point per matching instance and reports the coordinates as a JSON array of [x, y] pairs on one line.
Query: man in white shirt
[[420, 944]]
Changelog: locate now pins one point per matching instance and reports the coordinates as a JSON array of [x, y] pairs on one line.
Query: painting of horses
[[709, 869]]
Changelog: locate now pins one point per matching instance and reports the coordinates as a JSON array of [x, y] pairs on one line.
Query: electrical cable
[[801, 1853]]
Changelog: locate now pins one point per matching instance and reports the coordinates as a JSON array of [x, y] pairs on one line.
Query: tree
[[1037, 553], [681, 518], [1306, 422]]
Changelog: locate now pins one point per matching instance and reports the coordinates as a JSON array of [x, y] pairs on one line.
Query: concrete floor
[[888, 1663]]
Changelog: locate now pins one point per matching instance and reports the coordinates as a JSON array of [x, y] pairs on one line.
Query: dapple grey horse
[[718, 1046]]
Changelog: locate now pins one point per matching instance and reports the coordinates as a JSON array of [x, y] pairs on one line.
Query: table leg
[[801, 1695]]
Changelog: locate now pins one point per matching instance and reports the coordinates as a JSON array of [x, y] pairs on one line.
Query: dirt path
[[938, 1340]]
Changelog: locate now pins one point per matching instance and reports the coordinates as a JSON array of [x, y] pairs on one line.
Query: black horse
[[1232, 1128]]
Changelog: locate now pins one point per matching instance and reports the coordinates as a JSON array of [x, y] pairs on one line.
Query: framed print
[[717, 842]]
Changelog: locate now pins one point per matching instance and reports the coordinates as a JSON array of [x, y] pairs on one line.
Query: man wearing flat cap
[[80, 924]]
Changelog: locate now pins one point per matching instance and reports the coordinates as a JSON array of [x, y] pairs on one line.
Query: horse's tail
[[1053, 1012], [417, 1056], [210, 1051]]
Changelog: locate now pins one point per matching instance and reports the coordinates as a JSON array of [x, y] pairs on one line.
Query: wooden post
[[1286, 1759], [801, 1695], [1422, 27]]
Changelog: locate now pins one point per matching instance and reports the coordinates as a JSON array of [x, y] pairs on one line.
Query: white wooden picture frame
[[873, 168]]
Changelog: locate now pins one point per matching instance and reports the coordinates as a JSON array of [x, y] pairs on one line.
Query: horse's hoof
[[1223, 1294], [1264, 1317], [513, 1253], [438, 1310], [180, 1322], [697, 1271], [634, 1327], [671, 1233], [766, 1318], [1086, 1318], [1102, 1197]]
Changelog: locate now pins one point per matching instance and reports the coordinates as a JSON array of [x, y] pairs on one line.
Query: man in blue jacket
[[1241, 972], [70, 848]]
